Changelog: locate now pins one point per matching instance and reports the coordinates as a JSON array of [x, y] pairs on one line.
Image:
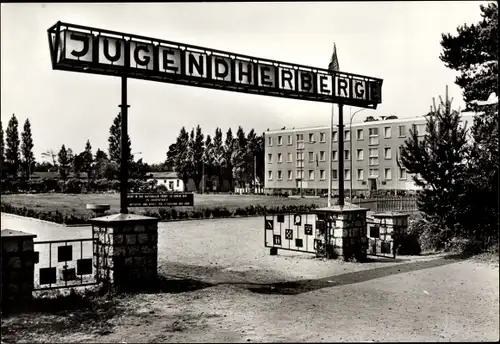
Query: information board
[[160, 199]]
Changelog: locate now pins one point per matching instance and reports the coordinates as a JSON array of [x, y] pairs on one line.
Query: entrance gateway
[[84, 49]]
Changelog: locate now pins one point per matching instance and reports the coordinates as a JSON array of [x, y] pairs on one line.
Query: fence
[[388, 204], [56, 259]]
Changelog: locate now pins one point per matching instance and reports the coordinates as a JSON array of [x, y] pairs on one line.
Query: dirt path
[[223, 287]]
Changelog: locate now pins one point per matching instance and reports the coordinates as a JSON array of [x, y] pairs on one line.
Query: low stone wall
[[126, 250], [18, 266]]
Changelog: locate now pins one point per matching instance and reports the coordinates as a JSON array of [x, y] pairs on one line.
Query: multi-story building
[[298, 158]]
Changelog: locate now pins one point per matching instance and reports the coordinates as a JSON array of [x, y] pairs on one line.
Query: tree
[[87, 160], [196, 148], [114, 140], [181, 160], [208, 160], [12, 142], [64, 162], [101, 160], [239, 158], [227, 166], [2, 151], [438, 162], [77, 164], [474, 54], [49, 153], [28, 160], [218, 156]]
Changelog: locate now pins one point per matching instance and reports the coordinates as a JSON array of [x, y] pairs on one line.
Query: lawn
[[76, 204]]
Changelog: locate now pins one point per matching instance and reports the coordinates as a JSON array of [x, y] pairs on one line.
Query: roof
[[163, 175], [402, 120]]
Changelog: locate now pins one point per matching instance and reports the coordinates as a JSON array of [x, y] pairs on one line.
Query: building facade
[[298, 158], [170, 179]]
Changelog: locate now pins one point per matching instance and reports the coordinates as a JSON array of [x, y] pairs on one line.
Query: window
[[311, 137], [347, 135], [270, 175], [269, 158], [335, 136], [299, 174], [388, 174], [359, 174], [300, 137], [373, 133], [280, 177], [402, 173], [290, 157], [387, 132], [280, 140], [322, 174], [289, 140], [334, 155], [334, 174], [347, 174], [347, 155], [360, 134], [178, 183], [280, 158], [387, 153], [373, 172], [290, 175], [322, 137], [420, 128], [300, 156], [311, 156], [270, 141], [360, 154], [171, 185], [373, 159], [311, 174], [402, 130], [322, 156]]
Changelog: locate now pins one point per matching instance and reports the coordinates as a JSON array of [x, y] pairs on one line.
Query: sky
[[398, 42]]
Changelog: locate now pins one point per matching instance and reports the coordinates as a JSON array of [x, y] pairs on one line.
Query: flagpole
[[330, 160]]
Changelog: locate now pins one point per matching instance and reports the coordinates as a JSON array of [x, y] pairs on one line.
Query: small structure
[[171, 180]]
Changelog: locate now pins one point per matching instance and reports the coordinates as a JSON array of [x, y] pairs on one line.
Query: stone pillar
[[18, 267], [343, 229], [392, 228], [126, 250]]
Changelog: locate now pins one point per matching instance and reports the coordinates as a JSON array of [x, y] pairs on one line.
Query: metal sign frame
[[269, 76]]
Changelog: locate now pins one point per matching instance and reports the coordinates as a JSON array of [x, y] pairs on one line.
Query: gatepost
[[344, 232]]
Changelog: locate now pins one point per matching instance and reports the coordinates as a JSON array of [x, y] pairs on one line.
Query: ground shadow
[[171, 285], [304, 286]]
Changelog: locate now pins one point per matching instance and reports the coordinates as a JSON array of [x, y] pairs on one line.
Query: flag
[[334, 62]]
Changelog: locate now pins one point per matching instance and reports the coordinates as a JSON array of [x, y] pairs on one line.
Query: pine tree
[[87, 159], [181, 161], [114, 140], [474, 54], [101, 160], [197, 147], [227, 167], [28, 158], [2, 152], [64, 160], [12, 157], [218, 156], [438, 162], [208, 161], [238, 157]]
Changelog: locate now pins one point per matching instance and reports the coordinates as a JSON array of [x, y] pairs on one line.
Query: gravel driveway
[[229, 289]]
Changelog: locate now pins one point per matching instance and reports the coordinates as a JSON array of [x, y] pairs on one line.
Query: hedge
[[163, 214]]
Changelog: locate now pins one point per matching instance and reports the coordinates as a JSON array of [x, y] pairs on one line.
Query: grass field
[[76, 204]]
